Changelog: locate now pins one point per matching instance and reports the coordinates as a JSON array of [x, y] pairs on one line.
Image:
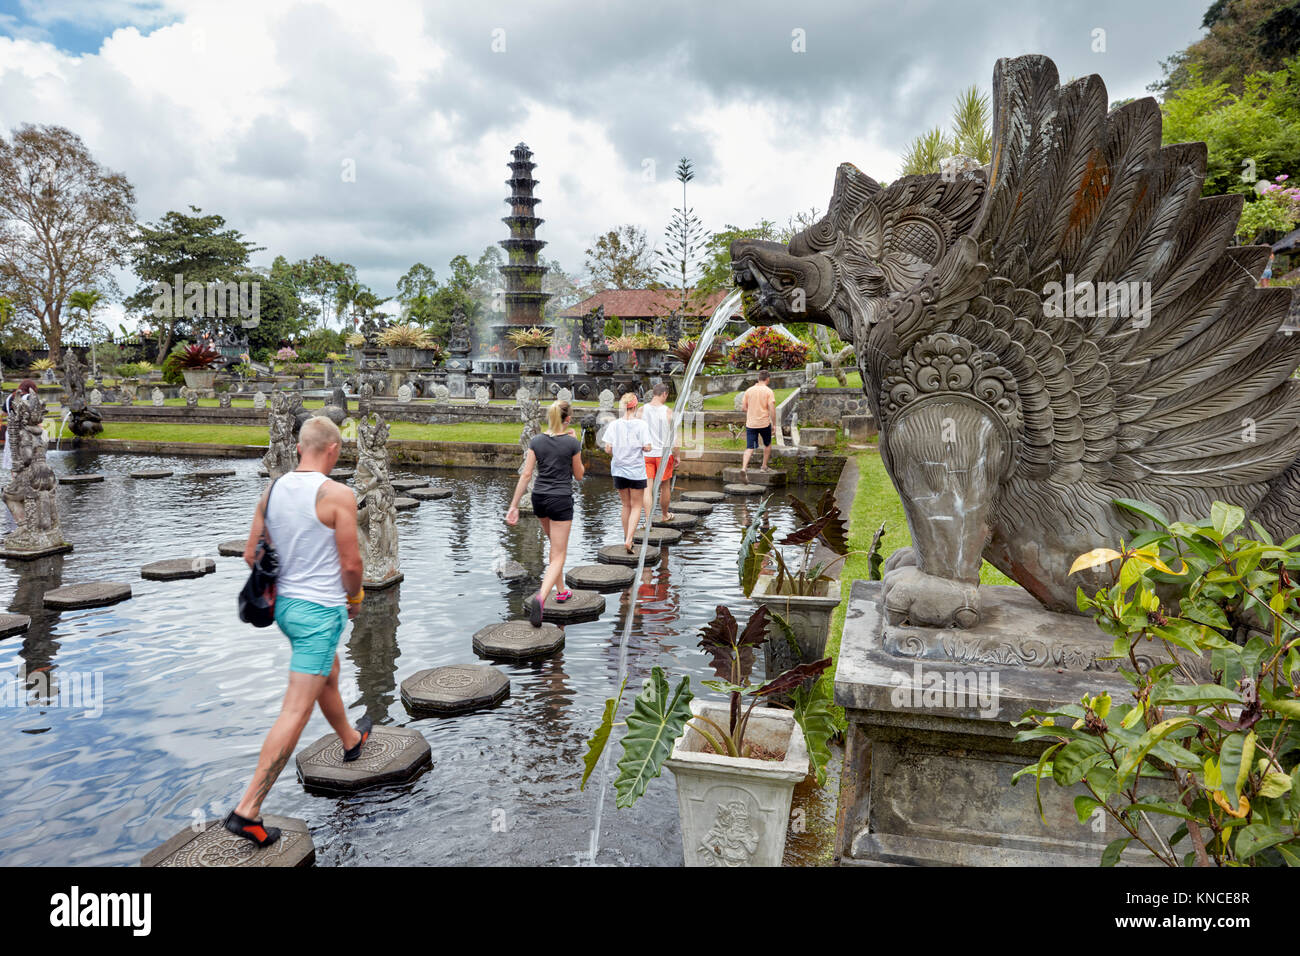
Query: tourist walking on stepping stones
[[759, 406], [311, 522], [627, 440], [658, 418], [556, 457]]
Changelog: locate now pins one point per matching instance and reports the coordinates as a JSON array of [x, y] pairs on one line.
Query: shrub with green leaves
[[1220, 753]]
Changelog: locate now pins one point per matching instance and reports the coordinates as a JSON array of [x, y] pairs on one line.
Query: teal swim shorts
[[313, 631]]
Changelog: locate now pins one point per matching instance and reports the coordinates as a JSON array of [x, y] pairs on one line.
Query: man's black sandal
[[363, 728], [252, 830]]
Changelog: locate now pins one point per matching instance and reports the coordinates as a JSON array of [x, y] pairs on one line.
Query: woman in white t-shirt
[[627, 440]]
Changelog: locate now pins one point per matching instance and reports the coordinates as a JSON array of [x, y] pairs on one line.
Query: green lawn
[[875, 502], [727, 401]]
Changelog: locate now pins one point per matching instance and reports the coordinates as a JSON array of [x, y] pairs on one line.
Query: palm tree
[[86, 301], [970, 136]]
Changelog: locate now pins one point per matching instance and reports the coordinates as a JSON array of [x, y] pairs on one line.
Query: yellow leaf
[[1152, 560], [1093, 558], [1243, 805]]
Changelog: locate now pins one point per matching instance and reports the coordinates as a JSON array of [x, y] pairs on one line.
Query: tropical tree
[[65, 224], [1245, 37], [621, 258], [969, 136], [683, 247], [86, 300]]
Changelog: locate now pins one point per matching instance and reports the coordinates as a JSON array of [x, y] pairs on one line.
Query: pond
[[188, 691]]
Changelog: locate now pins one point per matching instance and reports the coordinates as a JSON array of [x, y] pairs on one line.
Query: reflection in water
[[188, 691]]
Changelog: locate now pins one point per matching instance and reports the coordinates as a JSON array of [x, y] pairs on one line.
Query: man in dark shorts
[[759, 406], [556, 458]]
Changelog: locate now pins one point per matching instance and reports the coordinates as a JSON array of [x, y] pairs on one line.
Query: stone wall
[[828, 406]]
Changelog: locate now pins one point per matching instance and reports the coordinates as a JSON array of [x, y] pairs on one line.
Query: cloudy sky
[[255, 108]]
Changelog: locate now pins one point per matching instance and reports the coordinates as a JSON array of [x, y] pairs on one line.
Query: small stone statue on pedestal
[[30, 494]]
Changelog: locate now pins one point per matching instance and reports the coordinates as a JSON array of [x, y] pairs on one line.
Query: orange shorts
[[652, 466]]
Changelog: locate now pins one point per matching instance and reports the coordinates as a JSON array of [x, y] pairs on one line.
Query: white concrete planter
[[200, 378], [735, 811], [809, 617]]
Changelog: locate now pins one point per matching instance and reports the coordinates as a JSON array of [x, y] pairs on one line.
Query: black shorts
[[553, 507], [752, 436], [621, 483]]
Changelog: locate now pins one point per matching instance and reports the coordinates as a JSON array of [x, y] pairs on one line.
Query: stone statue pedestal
[[457, 384], [929, 753]]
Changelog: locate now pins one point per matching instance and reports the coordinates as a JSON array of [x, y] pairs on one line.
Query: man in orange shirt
[[759, 406]]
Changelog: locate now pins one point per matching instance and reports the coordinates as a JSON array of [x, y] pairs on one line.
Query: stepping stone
[[214, 846], [234, 548], [80, 479], [17, 555], [429, 494], [454, 690], [89, 594], [677, 521], [697, 508], [174, 569], [152, 473], [11, 624], [518, 640], [601, 577], [391, 755], [409, 484], [405, 504], [658, 536], [583, 606], [263, 473], [745, 489], [767, 479], [512, 571], [709, 497], [213, 473], [614, 554], [341, 474]]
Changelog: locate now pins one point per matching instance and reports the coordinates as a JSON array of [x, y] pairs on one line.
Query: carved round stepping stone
[[583, 606], [80, 479], [697, 508], [88, 594], [658, 536], [409, 484], [710, 497], [152, 473], [600, 577], [341, 474], [518, 640], [429, 494], [234, 548], [216, 846], [405, 504], [455, 689], [176, 569], [11, 624], [677, 521], [391, 755], [213, 473], [745, 489], [615, 554]]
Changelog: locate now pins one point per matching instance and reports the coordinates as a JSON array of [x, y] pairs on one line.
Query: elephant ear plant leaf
[[825, 524], [660, 716]]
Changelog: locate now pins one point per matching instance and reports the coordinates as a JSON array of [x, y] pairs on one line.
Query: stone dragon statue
[[1064, 327]]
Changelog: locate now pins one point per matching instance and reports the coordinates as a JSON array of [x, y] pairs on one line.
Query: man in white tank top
[[312, 524]]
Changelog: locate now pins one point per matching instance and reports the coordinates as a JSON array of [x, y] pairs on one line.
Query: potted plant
[[620, 347], [736, 764], [401, 343], [801, 597], [198, 364], [431, 356], [685, 351], [531, 343], [43, 369], [649, 348]]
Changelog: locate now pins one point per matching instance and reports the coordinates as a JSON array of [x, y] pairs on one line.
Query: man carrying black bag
[[311, 523]]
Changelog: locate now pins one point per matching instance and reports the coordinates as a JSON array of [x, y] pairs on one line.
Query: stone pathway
[[768, 479], [215, 846], [409, 484], [391, 755], [518, 641], [152, 473], [88, 594], [708, 497], [213, 473], [11, 624], [600, 577], [405, 504], [745, 489], [454, 690], [678, 522], [657, 536], [697, 508], [583, 606], [615, 554], [430, 494], [175, 569], [234, 548]]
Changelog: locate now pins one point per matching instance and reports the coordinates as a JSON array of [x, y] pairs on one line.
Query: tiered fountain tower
[[524, 298]]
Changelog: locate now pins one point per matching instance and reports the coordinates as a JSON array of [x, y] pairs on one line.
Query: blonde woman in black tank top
[[556, 457]]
